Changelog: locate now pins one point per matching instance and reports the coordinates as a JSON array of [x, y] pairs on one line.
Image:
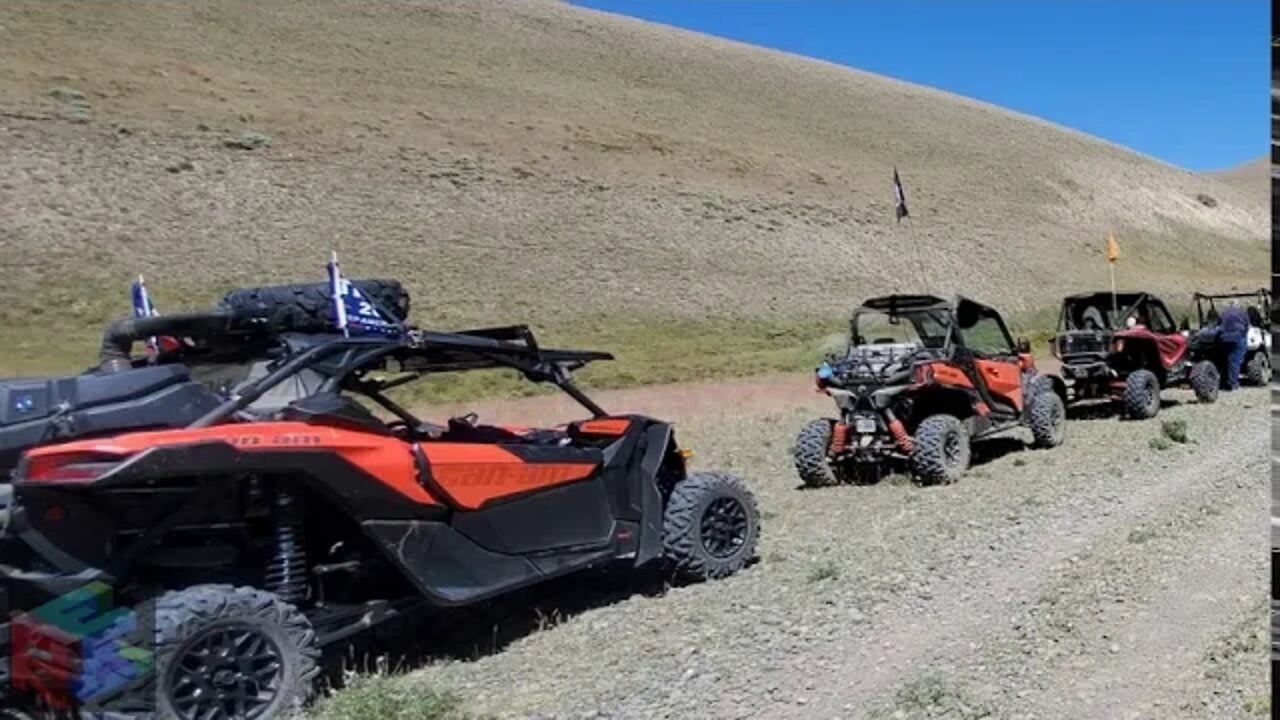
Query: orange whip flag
[[1113, 250]]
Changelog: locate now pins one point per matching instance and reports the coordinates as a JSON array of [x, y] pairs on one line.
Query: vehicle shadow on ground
[[993, 449], [470, 633], [1108, 411], [896, 473]]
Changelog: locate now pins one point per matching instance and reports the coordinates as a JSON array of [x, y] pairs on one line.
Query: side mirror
[[1022, 345]]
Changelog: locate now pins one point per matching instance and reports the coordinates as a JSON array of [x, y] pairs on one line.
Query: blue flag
[[353, 312], [142, 308]]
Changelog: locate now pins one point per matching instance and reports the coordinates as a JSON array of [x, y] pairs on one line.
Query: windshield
[[1096, 314], [927, 328]]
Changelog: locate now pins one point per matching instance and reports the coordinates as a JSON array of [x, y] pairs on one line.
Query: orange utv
[[288, 516], [921, 379]]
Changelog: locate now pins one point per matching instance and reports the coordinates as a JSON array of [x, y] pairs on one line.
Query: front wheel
[[710, 527], [940, 452], [1205, 381], [1142, 395]]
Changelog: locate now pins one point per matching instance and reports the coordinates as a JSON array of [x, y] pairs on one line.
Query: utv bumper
[[1097, 370], [32, 573]]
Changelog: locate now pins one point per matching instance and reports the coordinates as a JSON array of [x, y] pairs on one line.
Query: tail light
[[66, 468]]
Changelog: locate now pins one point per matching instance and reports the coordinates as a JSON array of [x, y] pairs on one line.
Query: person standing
[[1233, 334]]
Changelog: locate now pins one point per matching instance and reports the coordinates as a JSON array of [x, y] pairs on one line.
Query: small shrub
[[1160, 443], [825, 571], [1206, 200], [1175, 430], [248, 141]]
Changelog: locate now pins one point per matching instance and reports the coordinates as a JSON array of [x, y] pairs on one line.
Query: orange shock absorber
[[839, 435], [899, 432]]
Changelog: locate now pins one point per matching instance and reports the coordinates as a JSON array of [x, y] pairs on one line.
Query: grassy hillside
[[699, 206]]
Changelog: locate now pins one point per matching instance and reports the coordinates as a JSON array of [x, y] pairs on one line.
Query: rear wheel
[[1258, 370], [810, 454], [1205, 381], [710, 527], [1142, 395], [225, 652], [1047, 417], [941, 451]]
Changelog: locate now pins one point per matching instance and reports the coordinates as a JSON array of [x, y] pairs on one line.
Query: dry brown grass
[[595, 176]]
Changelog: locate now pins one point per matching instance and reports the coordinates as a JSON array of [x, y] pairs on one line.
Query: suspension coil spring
[[287, 571]]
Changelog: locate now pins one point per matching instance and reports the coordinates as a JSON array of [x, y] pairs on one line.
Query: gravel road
[[1115, 577]]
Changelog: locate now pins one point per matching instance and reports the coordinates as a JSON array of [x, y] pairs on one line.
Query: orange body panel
[[1003, 379], [950, 375], [476, 473], [386, 458], [604, 426]]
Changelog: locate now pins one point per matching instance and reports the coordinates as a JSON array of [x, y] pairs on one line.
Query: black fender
[[659, 443]]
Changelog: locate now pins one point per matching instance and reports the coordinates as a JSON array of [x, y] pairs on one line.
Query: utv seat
[[333, 410]]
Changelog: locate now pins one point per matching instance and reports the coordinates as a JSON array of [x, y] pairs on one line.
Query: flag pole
[[915, 241], [1115, 310]]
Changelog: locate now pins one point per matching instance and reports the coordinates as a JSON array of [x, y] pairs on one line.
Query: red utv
[[288, 516], [1123, 349]]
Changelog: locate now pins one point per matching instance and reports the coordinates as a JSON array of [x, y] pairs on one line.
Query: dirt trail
[[677, 401], [1106, 578]]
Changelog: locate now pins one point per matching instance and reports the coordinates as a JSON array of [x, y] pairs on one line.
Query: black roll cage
[[1263, 295], [419, 352], [895, 306]]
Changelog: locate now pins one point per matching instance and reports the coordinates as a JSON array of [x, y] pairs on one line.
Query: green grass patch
[[388, 697]]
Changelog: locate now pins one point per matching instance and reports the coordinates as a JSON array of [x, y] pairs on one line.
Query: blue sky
[[1185, 81]]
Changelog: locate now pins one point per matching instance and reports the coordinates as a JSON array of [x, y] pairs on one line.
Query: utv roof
[[902, 303], [1234, 294], [1130, 297]]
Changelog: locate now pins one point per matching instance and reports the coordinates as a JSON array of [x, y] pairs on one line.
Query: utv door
[[520, 498], [996, 367]]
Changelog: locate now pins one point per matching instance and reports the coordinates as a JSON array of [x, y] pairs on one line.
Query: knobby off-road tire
[[261, 634], [1257, 371], [1205, 381], [1047, 416], [810, 454], [710, 527], [1142, 395], [941, 452], [308, 307]]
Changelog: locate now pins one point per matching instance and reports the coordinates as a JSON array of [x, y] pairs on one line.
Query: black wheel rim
[[231, 671], [951, 449], [724, 527]]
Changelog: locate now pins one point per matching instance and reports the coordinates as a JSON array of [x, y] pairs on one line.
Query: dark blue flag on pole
[[142, 308], [353, 312]]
